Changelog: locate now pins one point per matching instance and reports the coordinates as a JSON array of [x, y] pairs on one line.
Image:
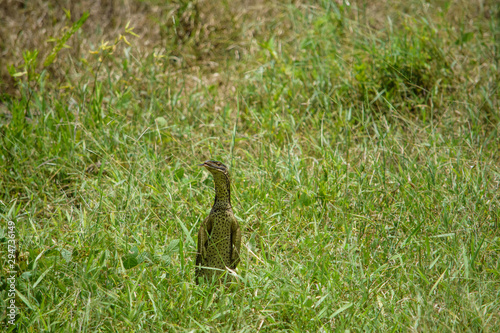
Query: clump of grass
[[363, 151]]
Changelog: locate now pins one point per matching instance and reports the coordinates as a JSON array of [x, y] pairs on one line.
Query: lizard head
[[215, 167]]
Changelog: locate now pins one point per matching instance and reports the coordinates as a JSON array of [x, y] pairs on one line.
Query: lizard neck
[[222, 191]]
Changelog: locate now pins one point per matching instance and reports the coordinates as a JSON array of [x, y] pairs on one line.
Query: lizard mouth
[[212, 165]]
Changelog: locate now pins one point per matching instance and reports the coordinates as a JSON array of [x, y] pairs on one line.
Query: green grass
[[363, 145]]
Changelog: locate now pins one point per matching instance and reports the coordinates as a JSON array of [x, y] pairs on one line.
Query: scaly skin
[[219, 237]]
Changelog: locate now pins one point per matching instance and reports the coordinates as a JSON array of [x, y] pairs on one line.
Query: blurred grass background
[[362, 139]]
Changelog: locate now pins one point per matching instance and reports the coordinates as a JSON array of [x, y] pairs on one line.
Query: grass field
[[363, 143]]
